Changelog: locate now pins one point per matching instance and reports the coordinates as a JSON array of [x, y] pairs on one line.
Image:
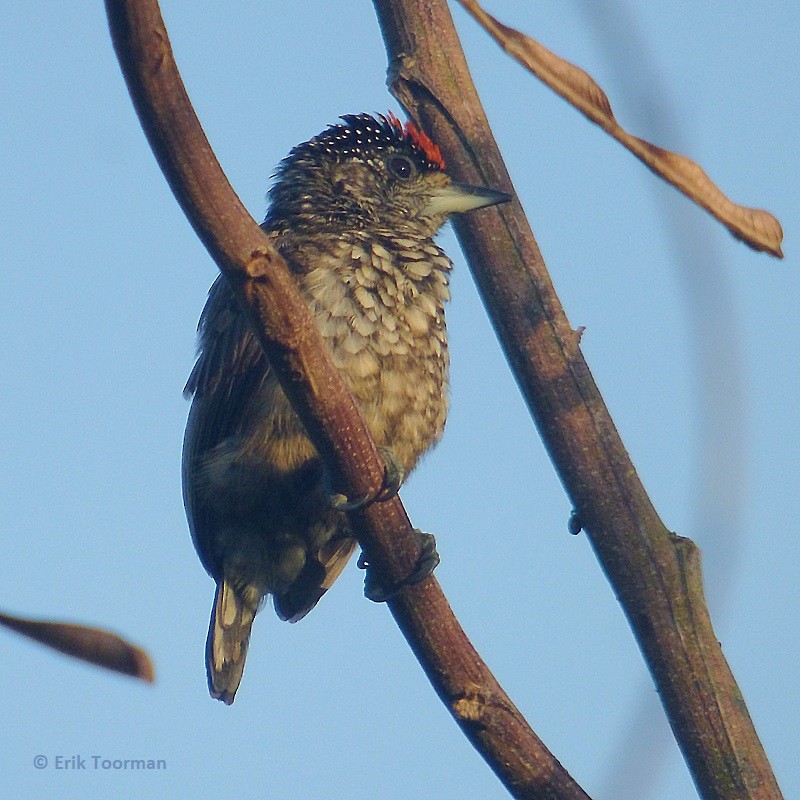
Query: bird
[[353, 211]]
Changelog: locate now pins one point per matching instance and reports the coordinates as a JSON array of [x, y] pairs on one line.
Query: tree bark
[[655, 574]]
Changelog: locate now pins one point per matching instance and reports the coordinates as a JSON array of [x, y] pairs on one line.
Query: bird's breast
[[379, 305]]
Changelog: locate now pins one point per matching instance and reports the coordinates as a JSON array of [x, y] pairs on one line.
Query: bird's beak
[[459, 197]]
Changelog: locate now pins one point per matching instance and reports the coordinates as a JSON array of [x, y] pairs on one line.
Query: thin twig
[[655, 574], [756, 227]]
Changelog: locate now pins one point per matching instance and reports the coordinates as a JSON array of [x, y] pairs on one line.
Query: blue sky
[[690, 336]]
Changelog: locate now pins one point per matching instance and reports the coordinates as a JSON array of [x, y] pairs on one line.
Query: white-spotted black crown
[[362, 136]]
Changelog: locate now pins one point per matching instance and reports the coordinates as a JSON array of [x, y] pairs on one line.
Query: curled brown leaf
[[755, 227], [97, 646]]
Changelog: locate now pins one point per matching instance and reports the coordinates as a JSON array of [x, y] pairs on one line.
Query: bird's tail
[[228, 636]]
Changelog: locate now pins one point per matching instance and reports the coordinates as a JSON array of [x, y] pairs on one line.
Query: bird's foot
[[393, 474], [378, 592]]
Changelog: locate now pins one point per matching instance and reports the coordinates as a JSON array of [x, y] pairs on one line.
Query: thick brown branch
[[655, 574], [329, 414]]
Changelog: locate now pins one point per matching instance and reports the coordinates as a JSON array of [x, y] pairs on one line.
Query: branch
[[655, 574], [103, 648], [333, 421]]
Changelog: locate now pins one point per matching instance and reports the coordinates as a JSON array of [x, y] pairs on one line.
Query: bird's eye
[[402, 167]]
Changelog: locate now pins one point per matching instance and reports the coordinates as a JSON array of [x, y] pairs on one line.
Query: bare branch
[[655, 574], [95, 645], [334, 423], [755, 227]]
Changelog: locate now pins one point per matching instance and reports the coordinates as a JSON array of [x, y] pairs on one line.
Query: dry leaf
[[90, 644], [755, 227]]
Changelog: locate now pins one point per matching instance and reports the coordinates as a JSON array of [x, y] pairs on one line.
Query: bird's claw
[[378, 592], [393, 474]]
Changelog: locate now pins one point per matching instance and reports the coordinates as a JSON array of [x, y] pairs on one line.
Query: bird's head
[[370, 173]]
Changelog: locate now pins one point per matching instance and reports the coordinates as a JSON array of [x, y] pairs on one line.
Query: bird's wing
[[317, 577], [230, 369], [231, 365]]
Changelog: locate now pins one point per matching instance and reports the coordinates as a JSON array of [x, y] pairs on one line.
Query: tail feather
[[228, 636]]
